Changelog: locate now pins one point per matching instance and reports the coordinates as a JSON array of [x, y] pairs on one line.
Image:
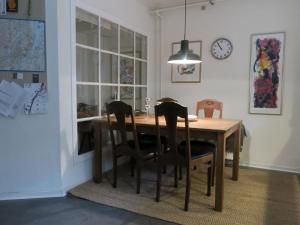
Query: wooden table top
[[220, 125], [217, 125]]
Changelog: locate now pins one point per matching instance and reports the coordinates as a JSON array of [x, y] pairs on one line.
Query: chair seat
[[203, 144], [151, 138], [144, 143], [198, 148]]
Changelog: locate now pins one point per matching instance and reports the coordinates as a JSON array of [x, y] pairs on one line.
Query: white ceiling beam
[[157, 11]]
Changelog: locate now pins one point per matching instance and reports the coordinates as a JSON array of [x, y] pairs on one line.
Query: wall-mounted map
[[22, 45]]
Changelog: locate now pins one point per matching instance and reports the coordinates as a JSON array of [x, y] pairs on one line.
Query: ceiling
[[160, 4]]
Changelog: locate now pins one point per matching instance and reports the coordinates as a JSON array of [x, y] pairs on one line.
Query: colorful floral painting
[[266, 73]]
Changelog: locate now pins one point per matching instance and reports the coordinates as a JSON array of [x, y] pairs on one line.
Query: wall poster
[[266, 73]]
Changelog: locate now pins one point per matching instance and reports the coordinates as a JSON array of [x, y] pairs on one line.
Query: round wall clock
[[221, 48]]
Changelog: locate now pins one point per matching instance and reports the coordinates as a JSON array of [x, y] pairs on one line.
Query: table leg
[[219, 196], [97, 162], [236, 153]]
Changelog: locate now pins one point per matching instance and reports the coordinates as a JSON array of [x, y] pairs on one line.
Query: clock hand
[[219, 45]]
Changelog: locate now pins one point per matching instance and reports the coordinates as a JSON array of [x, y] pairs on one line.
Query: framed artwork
[[29, 55], [12, 6], [266, 73], [187, 73]]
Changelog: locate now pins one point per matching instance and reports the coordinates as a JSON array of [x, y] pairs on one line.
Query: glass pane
[[109, 36], [87, 65], [109, 68], [87, 32], [86, 142], [126, 41], [126, 71], [140, 46], [108, 94], [140, 98], [126, 95], [140, 72], [87, 101]]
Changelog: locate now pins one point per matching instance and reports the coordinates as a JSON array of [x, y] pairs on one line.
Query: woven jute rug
[[258, 198]]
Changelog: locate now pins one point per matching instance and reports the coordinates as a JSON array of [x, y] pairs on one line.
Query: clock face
[[221, 48]]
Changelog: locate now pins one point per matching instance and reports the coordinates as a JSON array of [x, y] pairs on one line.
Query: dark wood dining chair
[[150, 138], [181, 153], [166, 99], [135, 148]]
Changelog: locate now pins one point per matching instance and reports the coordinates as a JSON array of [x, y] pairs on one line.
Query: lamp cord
[[184, 19]]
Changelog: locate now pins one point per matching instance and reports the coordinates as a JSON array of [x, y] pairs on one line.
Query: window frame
[[99, 84]]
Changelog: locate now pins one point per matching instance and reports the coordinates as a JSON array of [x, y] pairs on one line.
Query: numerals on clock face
[[221, 48]]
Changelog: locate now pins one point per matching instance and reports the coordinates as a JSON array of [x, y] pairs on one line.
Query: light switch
[[20, 76]]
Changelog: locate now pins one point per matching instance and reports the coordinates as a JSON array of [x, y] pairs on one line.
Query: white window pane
[[126, 41], [87, 28], [87, 65], [140, 72], [126, 71], [109, 36], [87, 101], [126, 95], [108, 95], [140, 46], [140, 97], [109, 68]]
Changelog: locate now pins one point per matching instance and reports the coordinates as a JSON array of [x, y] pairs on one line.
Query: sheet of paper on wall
[[11, 98], [2, 7], [36, 101]]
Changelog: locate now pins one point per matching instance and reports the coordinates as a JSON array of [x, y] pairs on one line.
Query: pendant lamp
[[185, 55]]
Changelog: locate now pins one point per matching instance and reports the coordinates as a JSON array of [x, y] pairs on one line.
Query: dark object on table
[[184, 154], [136, 149], [85, 110]]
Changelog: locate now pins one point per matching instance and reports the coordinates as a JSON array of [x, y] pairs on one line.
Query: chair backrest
[[209, 106], [166, 99], [121, 110], [171, 111]]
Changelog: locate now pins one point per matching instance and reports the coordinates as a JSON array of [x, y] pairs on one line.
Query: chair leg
[[187, 190], [132, 165], [209, 179], [158, 182], [180, 172], [175, 176], [115, 166], [138, 179], [213, 169], [164, 167]]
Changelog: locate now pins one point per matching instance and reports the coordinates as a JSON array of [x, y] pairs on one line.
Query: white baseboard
[[28, 195], [273, 168]]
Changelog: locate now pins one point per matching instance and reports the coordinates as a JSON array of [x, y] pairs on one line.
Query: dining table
[[215, 130]]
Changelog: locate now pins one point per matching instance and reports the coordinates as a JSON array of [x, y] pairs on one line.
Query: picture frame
[[12, 5], [187, 73], [266, 73], [31, 38]]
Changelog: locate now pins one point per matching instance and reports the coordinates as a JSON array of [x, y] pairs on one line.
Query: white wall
[[29, 145], [129, 13], [273, 141]]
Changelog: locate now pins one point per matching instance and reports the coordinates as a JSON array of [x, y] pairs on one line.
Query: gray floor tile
[[68, 211]]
